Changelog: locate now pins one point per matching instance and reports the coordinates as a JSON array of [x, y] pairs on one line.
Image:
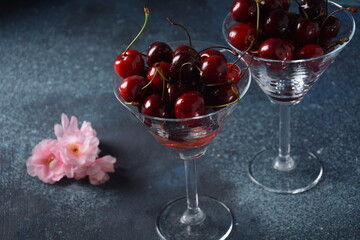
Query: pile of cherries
[[268, 29], [180, 83]]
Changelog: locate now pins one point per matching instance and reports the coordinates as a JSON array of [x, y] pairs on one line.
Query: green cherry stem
[[187, 63], [236, 91], [257, 18], [164, 79], [147, 13], [243, 54], [302, 9], [223, 105]]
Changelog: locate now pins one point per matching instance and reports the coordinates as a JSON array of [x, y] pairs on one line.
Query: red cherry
[[158, 52], [307, 31], [277, 23], [214, 70], [221, 95], [269, 5], [293, 21], [243, 11], [129, 63], [277, 49], [209, 52], [174, 90], [184, 67], [154, 106], [330, 28], [313, 8], [241, 36], [131, 89], [183, 48], [190, 104], [310, 51], [157, 77], [234, 73]]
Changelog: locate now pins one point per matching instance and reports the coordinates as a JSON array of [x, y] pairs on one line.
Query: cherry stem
[[222, 47], [297, 1], [338, 42], [133, 103], [242, 55], [352, 9], [147, 13], [257, 18], [179, 25], [302, 9], [157, 71], [227, 104], [162, 75], [187, 63], [322, 13]]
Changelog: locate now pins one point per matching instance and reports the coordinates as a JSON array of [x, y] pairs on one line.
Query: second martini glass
[[192, 217], [286, 83]]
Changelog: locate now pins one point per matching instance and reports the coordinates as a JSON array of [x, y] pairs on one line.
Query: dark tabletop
[[57, 57]]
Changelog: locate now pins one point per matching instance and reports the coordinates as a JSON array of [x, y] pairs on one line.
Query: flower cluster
[[73, 154]]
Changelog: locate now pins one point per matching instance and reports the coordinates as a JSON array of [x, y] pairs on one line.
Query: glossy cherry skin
[[190, 104], [221, 95], [131, 89], [156, 74], [270, 5], [234, 73], [154, 106], [277, 49], [185, 48], [313, 8], [129, 63], [213, 70], [243, 11], [241, 36], [209, 52], [277, 23], [307, 31], [174, 90], [330, 28], [310, 51], [158, 52], [184, 68]]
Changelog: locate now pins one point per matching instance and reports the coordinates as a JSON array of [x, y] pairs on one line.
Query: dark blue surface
[[57, 56]]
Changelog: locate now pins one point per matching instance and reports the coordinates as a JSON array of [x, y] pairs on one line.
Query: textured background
[[57, 56]]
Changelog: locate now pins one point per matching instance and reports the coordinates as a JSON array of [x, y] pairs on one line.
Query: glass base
[[217, 224], [304, 174]]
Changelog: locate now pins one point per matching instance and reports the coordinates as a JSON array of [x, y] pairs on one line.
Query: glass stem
[[193, 214], [283, 161]]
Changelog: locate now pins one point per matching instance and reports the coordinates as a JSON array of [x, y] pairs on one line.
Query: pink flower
[[79, 147], [46, 162], [74, 155], [98, 170]]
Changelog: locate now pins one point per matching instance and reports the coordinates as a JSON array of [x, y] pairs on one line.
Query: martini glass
[[193, 216], [285, 83]]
